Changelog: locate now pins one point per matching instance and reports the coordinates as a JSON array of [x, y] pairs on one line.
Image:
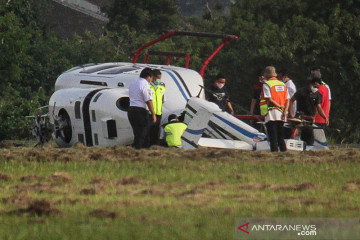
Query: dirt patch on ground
[[88, 191], [99, 181], [130, 180], [37, 208], [351, 186], [254, 186], [296, 187], [68, 201], [102, 213], [286, 187], [186, 193], [5, 177], [37, 187], [31, 178], [152, 192], [18, 200], [303, 200], [306, 201], [209, 185], [119, 153], [60, 177], [198, 199]]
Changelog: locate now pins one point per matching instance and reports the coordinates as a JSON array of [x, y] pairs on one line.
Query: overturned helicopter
[[90, 105]]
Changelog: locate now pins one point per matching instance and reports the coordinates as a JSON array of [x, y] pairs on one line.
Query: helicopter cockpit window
[[123, 103], [81, 66], [99, 68], [118, 70]]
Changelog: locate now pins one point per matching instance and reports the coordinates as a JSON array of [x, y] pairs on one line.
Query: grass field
[[122, 193]]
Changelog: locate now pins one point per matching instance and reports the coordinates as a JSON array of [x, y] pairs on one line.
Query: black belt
[[137, 107]]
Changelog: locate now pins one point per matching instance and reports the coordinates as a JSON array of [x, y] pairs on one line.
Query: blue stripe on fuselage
[[239, 129], [195, 132], [321, 143], [177, 84]]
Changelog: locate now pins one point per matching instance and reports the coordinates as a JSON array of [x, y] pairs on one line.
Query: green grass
[[170, 194]]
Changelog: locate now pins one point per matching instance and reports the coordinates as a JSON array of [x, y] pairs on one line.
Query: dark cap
[[316, 80], [219, 76], [172, 117]]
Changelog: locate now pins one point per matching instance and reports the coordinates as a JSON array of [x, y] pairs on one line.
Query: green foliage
[[143, 16], [13, 47], [13, 124], [32, 58]]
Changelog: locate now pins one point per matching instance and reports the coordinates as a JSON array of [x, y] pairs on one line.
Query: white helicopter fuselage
[[90, 102], [90, 105]]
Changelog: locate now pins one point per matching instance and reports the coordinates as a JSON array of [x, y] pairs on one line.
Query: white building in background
[[84, 7]]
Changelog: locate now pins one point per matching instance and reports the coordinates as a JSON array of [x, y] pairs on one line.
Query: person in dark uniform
[[218, 94], [140, 103], [255, 100], [308, 103]]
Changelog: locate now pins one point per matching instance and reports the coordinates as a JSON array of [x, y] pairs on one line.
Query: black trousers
[[154, 131], [307, 135], [275, 131], [288, 132], [139, 120]]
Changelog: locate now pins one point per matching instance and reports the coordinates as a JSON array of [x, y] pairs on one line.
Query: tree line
[[295, 35]]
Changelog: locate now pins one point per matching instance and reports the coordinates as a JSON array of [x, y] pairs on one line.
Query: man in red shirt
[[325, 103]]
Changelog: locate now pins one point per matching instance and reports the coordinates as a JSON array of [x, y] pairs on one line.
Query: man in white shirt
[[141, 97], [283, 75]]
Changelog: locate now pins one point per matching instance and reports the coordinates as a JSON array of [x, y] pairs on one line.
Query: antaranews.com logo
[[301, 230], [297, 228]]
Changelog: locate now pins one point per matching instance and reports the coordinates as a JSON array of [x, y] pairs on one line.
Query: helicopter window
[[81, 66], [118, 70], [81, 138], [111, 126], [123, 103], [93, 115], [99, 68], [96, 139], [77, 110], [93, 83]]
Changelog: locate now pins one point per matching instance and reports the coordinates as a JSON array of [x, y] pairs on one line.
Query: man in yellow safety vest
[[158, 90], [172, 131]]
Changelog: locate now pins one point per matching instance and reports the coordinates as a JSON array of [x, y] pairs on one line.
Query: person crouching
[[172, 131]]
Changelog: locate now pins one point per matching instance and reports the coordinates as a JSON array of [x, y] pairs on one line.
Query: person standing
[[158, 91], [284, 76], [322, 121], [172, 131], [219, 94], [140, 103], [309, 103], [274, 105], [316, 72], [255, 101]]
